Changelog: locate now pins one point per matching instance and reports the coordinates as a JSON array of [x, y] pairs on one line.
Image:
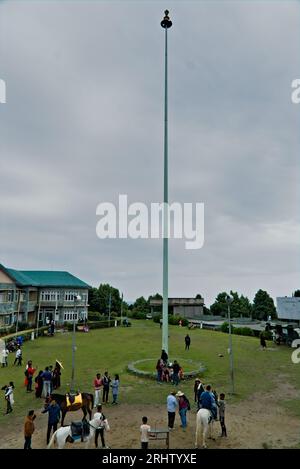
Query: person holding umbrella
[[56, 375]]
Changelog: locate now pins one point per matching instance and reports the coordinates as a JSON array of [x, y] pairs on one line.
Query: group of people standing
[[177, 401], [169, 372], [5, 352], [106, 383], [45, 382]]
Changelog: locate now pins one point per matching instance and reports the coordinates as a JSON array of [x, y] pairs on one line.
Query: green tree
[[240, 306], [155, 309], [94, 300], [105, 292], [297, 293], [141, 305], [157, 296], [263, 306], [198, 296]]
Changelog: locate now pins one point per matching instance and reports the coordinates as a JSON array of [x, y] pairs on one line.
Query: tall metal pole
[[76, 298], [73, 350], [109, 306], [121, 308], [166, 23], [229, 300]]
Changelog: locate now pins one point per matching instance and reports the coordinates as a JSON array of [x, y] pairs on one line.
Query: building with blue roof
[[40, 296]]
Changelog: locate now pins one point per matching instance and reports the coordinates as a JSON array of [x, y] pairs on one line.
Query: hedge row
[[22, 326], [173, 320], [247, 331], [97, 316], [25, 334]]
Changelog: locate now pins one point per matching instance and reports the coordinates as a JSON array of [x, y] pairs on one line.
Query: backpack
[[26, 373]]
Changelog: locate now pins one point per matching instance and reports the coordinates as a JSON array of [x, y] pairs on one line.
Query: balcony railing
[[6, 308]]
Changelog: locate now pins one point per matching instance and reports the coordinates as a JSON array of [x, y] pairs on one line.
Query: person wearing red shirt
[[29, 374], [97, 386]]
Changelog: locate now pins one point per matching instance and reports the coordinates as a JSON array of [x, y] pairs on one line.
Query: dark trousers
[[27, 444], [8, 406], [99, 431], [187, 346], [171, 419], [144, 444], [222, 422], [50, 427], [175, 379], [105, 393], [29, 383], [18, 361]]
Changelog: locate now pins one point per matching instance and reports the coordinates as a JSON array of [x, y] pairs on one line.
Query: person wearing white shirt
[[171, 408], [9, 396], [18, 358], [145, 429], [4, 357], [102, 425]]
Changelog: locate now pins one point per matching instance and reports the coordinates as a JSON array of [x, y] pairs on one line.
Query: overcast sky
[[83, 123]]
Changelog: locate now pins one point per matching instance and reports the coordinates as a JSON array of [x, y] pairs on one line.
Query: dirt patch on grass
[[258, 422]]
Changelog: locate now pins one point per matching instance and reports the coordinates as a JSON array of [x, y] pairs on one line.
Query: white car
[[148, 316]]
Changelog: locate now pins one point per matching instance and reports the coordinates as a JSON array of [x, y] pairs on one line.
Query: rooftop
[[44, 278]]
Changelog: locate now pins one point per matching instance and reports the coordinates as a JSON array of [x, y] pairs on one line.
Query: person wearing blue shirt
[[207, 401], [53, 410], [46, 377], [171, 408]]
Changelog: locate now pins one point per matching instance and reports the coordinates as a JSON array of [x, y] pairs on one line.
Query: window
[[70, 316], [50, 295], [70, 295], [10, 296], [84, 298], [7, 320]]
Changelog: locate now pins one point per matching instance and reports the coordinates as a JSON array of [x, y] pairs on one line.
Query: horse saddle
[[73, 399], [80, 429]]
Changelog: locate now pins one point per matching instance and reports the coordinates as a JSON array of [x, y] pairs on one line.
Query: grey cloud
[[84, 122]]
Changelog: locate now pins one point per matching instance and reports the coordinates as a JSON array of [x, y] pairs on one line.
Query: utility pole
[[229, 300], [166, 23]]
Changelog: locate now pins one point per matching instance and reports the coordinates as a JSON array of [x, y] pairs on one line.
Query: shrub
[[247, 331], [7, 330], [157, 318], [26, 335], [243, 331], [103, 324], [268, 335], [174, 320], [23, 326], [94, 316], [225, 327], [138, 315]]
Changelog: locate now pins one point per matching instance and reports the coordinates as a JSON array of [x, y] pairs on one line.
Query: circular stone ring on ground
[[136, 368]]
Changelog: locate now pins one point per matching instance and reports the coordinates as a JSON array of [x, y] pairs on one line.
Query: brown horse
[[86, 405]]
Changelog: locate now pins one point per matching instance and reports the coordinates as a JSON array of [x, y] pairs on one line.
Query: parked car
[[283, 333]]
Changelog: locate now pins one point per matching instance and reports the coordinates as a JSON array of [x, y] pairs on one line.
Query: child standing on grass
[[222, 414], [145, 429]]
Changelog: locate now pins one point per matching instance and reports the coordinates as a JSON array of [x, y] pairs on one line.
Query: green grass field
[[114, 348]]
